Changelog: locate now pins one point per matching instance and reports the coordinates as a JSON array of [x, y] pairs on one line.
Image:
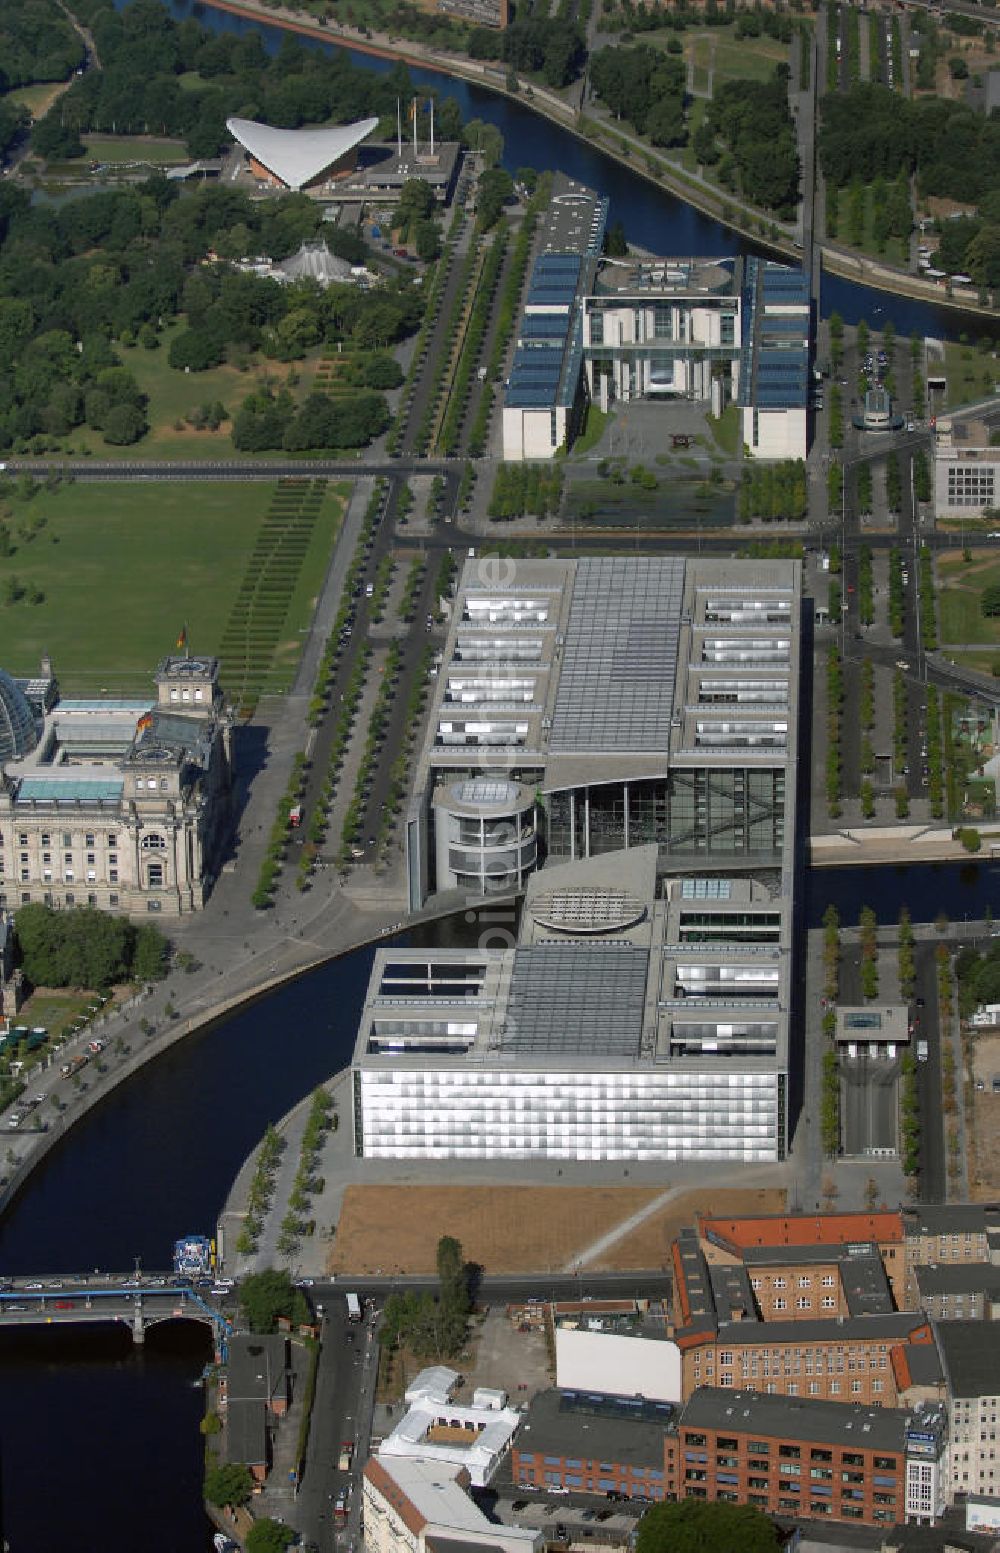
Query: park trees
[[228, 1483], [433, 1327], [269, 1536], [696, 1526], [266, 1295], [84, 947]]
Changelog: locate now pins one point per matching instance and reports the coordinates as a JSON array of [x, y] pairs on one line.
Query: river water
[[652, 218], [111, 1429], [117, 1427]]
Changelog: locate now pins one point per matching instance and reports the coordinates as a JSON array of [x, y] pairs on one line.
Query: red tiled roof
[[391, 1492], [802, 1229]]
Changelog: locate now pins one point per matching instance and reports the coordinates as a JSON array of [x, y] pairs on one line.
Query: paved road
[[933, 1171], [869, 1105]]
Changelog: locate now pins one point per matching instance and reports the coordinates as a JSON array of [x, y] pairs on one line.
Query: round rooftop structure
[[486, 790], [587, 909], [18, 729]]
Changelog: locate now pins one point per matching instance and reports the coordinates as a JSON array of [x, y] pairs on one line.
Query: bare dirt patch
[[649, 1244], [984, 1169], [515, 1229]]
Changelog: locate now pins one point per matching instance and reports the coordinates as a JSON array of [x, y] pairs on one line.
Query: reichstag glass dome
[[18, 731]]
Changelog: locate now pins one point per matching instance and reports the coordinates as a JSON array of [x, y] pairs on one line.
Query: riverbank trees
[[84, 947]]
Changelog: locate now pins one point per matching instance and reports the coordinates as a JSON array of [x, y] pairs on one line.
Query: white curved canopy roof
[[297, 156]]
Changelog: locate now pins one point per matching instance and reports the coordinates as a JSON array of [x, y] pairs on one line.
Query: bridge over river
[[138, 1301]]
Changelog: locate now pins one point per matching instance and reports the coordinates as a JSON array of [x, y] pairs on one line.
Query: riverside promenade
[[239, 952]]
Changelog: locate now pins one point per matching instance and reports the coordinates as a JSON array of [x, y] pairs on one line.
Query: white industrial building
[[616, 1356], [634, 721], [631, 1021], [436, 1429], [422, 1506]]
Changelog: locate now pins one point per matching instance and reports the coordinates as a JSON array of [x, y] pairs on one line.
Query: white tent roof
[[297, 156]]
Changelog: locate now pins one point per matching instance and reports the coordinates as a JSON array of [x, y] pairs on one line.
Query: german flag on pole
[[183, 638]]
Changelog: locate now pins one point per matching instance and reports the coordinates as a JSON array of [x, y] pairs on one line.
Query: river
[[652, 218], [117, 1428], [113, 1429]]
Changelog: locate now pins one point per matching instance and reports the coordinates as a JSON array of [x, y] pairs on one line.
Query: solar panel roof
[[545, 326], [581, 999], [616, 684]]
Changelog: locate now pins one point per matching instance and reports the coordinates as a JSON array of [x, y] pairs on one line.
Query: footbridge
[[138, 1301]]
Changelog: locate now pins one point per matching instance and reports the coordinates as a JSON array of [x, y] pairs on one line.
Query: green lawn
[[54, 1011], [960, 586], [982, 662], [593, 429], [970, 375], [726, 430], [749, 59], [123, 567], [37, 99], [135, 148]]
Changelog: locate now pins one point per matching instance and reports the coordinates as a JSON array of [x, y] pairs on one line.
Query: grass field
[[519, 1229], [122, 567], [37, 99], [970, 373], [135, 148], [960, 586]]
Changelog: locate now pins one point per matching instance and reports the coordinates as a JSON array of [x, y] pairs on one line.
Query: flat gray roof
[[963, 1218], [958, 1278], [616, 684], [811, 1420], [591, 1427], [572, 997], [971, 1362]]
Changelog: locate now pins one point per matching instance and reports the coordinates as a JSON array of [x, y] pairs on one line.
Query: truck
[[923, 1051], [295, 816], [353, 1307], [340, 1510], [346, 1456]]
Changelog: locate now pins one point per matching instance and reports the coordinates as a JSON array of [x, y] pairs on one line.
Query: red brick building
[[791, 1456]]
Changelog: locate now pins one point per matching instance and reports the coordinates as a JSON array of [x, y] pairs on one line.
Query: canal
[[117, 1428], [652, 218]]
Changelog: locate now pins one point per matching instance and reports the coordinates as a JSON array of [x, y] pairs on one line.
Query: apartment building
[[946, 1234], [792, 1457], [801, 1457], [972, 1376], [959, 1291], [583, 1441]]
